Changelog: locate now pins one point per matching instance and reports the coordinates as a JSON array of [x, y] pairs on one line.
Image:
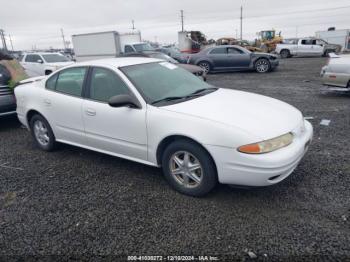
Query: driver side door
[[119, 131], [237, 59]]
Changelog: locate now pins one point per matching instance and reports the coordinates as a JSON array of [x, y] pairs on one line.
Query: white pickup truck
[[305, 47]]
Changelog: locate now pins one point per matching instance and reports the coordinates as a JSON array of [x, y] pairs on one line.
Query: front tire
[[42, 133], [262, 65], [188, 168], [205, 66]]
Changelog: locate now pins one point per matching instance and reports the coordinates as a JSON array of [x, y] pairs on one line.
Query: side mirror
[[40, 61], [123, 101]]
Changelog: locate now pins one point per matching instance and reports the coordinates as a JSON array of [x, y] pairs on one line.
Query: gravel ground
[[79, 203]]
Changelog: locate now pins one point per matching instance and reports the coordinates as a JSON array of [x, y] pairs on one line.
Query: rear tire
[[285, 53], [205, 66], [262, 65], [42, 133], [188, 168]]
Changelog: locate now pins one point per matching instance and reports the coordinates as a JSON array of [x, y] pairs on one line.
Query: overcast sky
[[38, 22]]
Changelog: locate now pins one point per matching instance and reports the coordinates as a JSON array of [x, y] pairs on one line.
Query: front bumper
[[274, 63], [261, 170], [7, 105]]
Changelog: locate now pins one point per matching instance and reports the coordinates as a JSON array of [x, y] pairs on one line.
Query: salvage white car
[[153, 112], [40, 64]]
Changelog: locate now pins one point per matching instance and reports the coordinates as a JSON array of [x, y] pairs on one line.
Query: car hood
[[261, 116], [61, 64]]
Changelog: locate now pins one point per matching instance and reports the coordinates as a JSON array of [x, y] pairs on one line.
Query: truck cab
[[137, 47]]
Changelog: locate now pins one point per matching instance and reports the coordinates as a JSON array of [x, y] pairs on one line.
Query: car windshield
[[164, 81], [164, 57], [143, 47], [55, 58]]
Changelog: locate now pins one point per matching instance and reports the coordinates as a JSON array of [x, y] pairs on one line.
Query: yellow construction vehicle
[[268, 40]]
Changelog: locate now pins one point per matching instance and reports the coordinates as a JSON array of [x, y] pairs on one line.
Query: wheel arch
[[169, 139], [33, 112], [205, 60], [48, 71], [285, 49]]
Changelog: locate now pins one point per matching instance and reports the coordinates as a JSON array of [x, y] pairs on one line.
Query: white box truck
[[101, 45], [340, 37]]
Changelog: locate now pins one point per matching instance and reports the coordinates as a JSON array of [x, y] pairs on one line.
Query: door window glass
[[218, 51], [234, 51], [106, 84], [306, 42], [33, 58], [51, 82], [70, 81], [128, 49]]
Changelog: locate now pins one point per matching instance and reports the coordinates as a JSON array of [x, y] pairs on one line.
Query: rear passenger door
[[63, 104], [219, 57], [305, 47]]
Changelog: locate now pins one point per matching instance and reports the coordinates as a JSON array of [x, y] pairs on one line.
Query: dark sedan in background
[[7, 97], [194, 69], [233, 58]]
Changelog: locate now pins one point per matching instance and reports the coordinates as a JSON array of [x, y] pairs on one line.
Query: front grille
[[5, 90]]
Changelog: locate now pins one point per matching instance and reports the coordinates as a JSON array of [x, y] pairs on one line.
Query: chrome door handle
[[90, 112]]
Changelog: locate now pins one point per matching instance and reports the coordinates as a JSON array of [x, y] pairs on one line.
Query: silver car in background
[[337, 71]]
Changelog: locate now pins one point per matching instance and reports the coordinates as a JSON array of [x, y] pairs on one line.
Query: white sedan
[[156, 113]]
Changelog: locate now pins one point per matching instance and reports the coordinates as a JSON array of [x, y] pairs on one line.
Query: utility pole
[[11, 42], [3, 40], [241, 22], [133, 24], [64, 41], [182, 20]]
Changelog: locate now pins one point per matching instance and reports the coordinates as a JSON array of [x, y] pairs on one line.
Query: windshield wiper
[[203, 90], [167, 99], [194, 94]]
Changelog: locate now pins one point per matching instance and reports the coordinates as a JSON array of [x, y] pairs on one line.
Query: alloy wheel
[[205, 66], [41, 133], [186, 169], [262, 66]]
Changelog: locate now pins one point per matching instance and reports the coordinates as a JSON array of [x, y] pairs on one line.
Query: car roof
[[120, 61], [42, 53]]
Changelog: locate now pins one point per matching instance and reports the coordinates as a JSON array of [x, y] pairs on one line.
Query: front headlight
[[267, 145]]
